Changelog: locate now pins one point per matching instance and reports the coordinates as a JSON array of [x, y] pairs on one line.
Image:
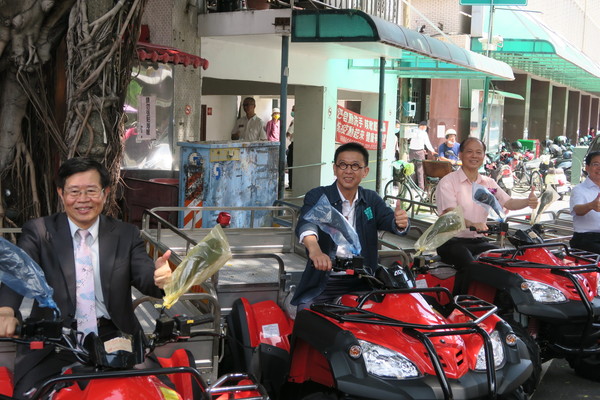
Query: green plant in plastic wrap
[[201, 262], [445, 228]]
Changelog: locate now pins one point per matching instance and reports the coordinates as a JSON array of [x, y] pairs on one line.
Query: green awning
[[507, 94], [411, 54], [531, 46]]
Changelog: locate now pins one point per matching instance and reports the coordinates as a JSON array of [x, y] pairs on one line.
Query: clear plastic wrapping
[[332, 222], [485, 198], [548, 197], [22, 274], [445, 228], [202, 261]]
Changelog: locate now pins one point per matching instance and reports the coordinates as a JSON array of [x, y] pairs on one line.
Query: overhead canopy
[[531, 46], [412, 54], [157, 53]]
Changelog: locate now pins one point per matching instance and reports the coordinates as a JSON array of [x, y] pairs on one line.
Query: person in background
[[448, 151], [456, 189], [289, 137], [91, 261], [419, 142], [249, 127], [363, 209], [272, 127], [585, 207], [397, 134]]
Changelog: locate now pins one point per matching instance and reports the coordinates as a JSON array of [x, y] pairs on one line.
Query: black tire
[[588, 367], [432, 198], [538, 182], [321, 396], [401, 190], [534, 352], [518, 394]]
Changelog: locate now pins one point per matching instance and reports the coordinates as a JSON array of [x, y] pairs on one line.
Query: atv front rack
[[589, 263], [465, 304], [508, 259]]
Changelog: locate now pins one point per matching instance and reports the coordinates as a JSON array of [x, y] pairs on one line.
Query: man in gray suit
[[118, 257]]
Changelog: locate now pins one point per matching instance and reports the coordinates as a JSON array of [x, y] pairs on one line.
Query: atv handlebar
[[493, 228]]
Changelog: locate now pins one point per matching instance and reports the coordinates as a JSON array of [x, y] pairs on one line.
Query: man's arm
[[517, 204], [584, 208], [320, 260]]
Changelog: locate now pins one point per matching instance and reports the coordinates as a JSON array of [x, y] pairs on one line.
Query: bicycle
[[403, 187]]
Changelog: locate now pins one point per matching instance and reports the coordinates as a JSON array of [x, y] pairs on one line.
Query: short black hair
[[466, 141], [251, 99], [81, 164], [590, 156], [352, 146], [423, 123]]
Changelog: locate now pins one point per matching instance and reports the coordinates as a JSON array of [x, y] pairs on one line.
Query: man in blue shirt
[[448, 151], [363, 209]]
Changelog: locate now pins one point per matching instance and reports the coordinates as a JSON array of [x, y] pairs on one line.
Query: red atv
[[391, 342], [111, 375], [547, 292]]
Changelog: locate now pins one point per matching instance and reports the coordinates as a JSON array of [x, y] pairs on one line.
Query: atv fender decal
[[270, 330]]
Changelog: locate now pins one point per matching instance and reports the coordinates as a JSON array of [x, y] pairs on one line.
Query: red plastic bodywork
[[457, 352], [543, 256], [268, 324]]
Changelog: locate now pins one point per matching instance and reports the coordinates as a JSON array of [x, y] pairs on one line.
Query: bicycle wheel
[[538, 182], [400, 190], [432, 200]]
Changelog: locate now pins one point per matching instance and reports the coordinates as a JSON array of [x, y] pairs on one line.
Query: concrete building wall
[[173, 23]]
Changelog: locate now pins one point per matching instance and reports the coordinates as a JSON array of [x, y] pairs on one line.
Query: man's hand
[[8, 322], [595, 204], [162, 272], [320, 260], [532, 199], [400, 216]]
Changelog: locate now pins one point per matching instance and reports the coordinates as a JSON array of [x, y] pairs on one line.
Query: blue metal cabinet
[[228, 174]]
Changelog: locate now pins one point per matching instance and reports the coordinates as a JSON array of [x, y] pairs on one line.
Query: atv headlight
[[543, 293], [497, 349], [386, 363]]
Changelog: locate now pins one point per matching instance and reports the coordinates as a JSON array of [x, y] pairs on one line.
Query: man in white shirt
[[585, 207], [419, 141], [249, 127]]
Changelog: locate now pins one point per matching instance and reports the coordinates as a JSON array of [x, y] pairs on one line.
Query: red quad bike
[[547, 292], [111, 375], [390, 342]]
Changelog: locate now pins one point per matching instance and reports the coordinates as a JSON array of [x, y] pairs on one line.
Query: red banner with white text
[[353, 127]]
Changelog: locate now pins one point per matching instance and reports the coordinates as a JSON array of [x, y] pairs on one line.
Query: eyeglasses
[[343, 166], [92, 193], [595, 164]]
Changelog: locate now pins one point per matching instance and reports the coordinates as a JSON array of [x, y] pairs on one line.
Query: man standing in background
[[419, 141], [249, 127]]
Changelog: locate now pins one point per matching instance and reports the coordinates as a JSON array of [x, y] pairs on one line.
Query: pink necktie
[[85, 311]]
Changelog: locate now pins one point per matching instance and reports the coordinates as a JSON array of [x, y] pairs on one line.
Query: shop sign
[[353, 127]]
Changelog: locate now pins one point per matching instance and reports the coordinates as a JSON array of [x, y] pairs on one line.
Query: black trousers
[[589, 241], [461, 252], [337, 285]]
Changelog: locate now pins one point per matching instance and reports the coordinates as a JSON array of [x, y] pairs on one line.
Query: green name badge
[[369, 213]]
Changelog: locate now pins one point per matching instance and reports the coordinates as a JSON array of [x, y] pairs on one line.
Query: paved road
[[560, 383]]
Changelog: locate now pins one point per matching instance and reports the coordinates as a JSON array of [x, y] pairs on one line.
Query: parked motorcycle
[[547, 292], [496, 167]]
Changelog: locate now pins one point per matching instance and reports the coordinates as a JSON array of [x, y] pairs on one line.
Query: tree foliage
[[64, 70]]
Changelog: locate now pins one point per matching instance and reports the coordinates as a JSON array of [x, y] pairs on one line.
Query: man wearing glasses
[[585, 207], [249, 127], [81, 248], [363, 209]]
